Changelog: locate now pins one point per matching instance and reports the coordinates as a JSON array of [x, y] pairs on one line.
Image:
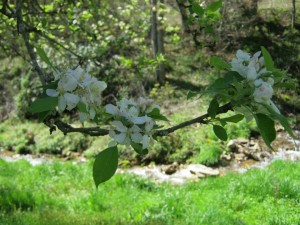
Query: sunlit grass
[[64, 193]]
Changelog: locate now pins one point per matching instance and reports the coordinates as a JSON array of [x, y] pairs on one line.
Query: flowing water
[[287, 149]]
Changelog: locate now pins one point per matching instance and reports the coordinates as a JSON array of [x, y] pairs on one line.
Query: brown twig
[[92, 131], [97, 131], [201, 119]]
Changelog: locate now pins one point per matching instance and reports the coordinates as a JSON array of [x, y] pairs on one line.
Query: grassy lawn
[[63, 193]]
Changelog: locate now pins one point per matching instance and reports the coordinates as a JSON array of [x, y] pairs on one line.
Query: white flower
[[251, 73], [145, 142], [52, 93], [80, 75], [125, 135], [67, 83], [95, 89], [238, 66], [148, 130], [242, 56], [138, 119], [124, 105], [68, 101], [263, 91], [112, 109], [125, 108], [135, 117], [248, 67]]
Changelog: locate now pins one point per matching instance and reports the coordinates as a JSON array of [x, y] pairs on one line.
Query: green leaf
[[283, 121], [219, 84], [232, 76], [156, 127], [105, 165], [291, 86], [138, 148], [220, 132], [234, 119], [82, 107], [268, 59], [191, 94], [213, 108], [266, 127], [43, 104], [155, 114], [197, 9], [43, 56], [223, 122], [219, 63], [209, 29], [215, 6], [43, 115], [51, 85]]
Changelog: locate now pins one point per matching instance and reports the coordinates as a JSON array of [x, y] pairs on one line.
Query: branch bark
[[97, 131], [201, 119]]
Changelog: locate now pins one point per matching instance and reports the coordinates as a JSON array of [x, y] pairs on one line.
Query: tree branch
[[22, 31], [92, 131], [201, 119], [97, 131]]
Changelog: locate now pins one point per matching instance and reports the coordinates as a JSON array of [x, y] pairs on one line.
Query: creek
[[285, 149]]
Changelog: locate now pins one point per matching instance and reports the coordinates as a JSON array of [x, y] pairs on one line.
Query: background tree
[[293, 14], [157, 38]]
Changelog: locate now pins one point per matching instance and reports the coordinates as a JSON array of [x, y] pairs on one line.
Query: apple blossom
[[248, 67], [136, 126], [77, 86]]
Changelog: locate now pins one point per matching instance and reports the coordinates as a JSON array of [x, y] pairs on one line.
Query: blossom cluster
[[254, 71], [132, 121], [75, 87]]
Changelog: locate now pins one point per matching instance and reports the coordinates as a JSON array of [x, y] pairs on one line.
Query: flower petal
[[83, 116], [112, 143], [149, 125], [51, 92], [138, 119], [92, 113], [135, 129], [242, 56], [256, 55], [274, 107], [111, 109], [72, 100], [68, 83], [136, 137], [145, 141], [119, 126], [251, 74], [120, 138], [61, 103]]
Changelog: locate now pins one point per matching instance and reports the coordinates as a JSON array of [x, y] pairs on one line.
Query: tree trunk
[[157, 33], [293, 13], [184, 16]]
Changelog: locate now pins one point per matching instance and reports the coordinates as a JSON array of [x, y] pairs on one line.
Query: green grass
[[63, 193]]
